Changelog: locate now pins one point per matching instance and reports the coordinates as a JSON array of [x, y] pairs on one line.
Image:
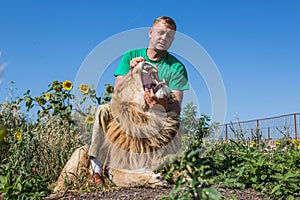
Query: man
[[170, 70]]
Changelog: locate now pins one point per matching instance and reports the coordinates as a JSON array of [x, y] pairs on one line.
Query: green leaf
[[19, 187], [290, 197], [27, 92], [2, 179], [263, 177], [210, 194], [289, 175], [275, 189]]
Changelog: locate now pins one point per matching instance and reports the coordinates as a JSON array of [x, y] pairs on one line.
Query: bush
[[34, 151], [193, 169], [273, 172]]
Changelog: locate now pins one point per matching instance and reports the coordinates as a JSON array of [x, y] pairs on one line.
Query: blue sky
[[254, 44]]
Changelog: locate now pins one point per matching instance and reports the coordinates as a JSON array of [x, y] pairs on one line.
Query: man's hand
[[153, 102], [119, 83], [135, 61]]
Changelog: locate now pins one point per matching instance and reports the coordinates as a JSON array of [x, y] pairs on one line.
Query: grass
[[34, 152]]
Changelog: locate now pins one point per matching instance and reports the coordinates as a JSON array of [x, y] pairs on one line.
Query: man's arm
[[176, 106], [179, 95], [120, 83]]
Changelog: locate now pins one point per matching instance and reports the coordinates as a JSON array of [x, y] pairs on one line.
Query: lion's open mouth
[[150, 78]]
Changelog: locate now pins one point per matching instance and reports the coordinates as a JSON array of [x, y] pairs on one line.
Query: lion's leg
[[136, 178]]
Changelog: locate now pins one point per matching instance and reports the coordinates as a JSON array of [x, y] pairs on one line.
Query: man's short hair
[[167, 20]]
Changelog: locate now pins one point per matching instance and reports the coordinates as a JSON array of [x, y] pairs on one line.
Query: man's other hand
[[151, 99]]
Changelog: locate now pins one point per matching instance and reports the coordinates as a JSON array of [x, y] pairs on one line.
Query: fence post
[[226, 132], [295, 126]]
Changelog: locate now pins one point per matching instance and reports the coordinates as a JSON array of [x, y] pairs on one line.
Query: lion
[[137, 139]]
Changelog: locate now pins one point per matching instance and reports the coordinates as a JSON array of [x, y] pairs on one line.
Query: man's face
[[161, 36]]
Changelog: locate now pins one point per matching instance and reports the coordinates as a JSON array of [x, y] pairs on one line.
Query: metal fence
[[272, 128]]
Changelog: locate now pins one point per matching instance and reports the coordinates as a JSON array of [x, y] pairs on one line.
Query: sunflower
[[89, 119], [67, 85], [110, 89], [277, 143], [18, 135], [287, 141], [47, 95], [56, 86], [295, 141], [253, 144], [84, 88]]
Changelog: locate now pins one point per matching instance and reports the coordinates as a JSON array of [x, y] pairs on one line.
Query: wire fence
[[272, 128]]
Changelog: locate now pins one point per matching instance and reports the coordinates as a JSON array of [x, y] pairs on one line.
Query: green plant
[[272, 172], [56, 101], [194, 170], [194, 129], [35, 150], [24, 187]]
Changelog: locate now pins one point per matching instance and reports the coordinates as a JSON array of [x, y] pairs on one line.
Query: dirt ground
[[145, 193]]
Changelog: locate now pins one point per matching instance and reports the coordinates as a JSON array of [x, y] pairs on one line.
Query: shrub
[[35, 151]]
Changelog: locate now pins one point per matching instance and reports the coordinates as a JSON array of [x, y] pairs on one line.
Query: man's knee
[[104, 115]]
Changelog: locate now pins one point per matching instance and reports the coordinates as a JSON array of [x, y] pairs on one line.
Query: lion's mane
[[136, 136]]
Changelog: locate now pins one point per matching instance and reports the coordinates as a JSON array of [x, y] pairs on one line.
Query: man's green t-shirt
[[170, 69]]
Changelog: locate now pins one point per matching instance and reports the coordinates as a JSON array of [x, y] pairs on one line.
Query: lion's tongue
[[148, 81]]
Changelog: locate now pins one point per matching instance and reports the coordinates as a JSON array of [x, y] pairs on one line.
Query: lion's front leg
[[136, 178]]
